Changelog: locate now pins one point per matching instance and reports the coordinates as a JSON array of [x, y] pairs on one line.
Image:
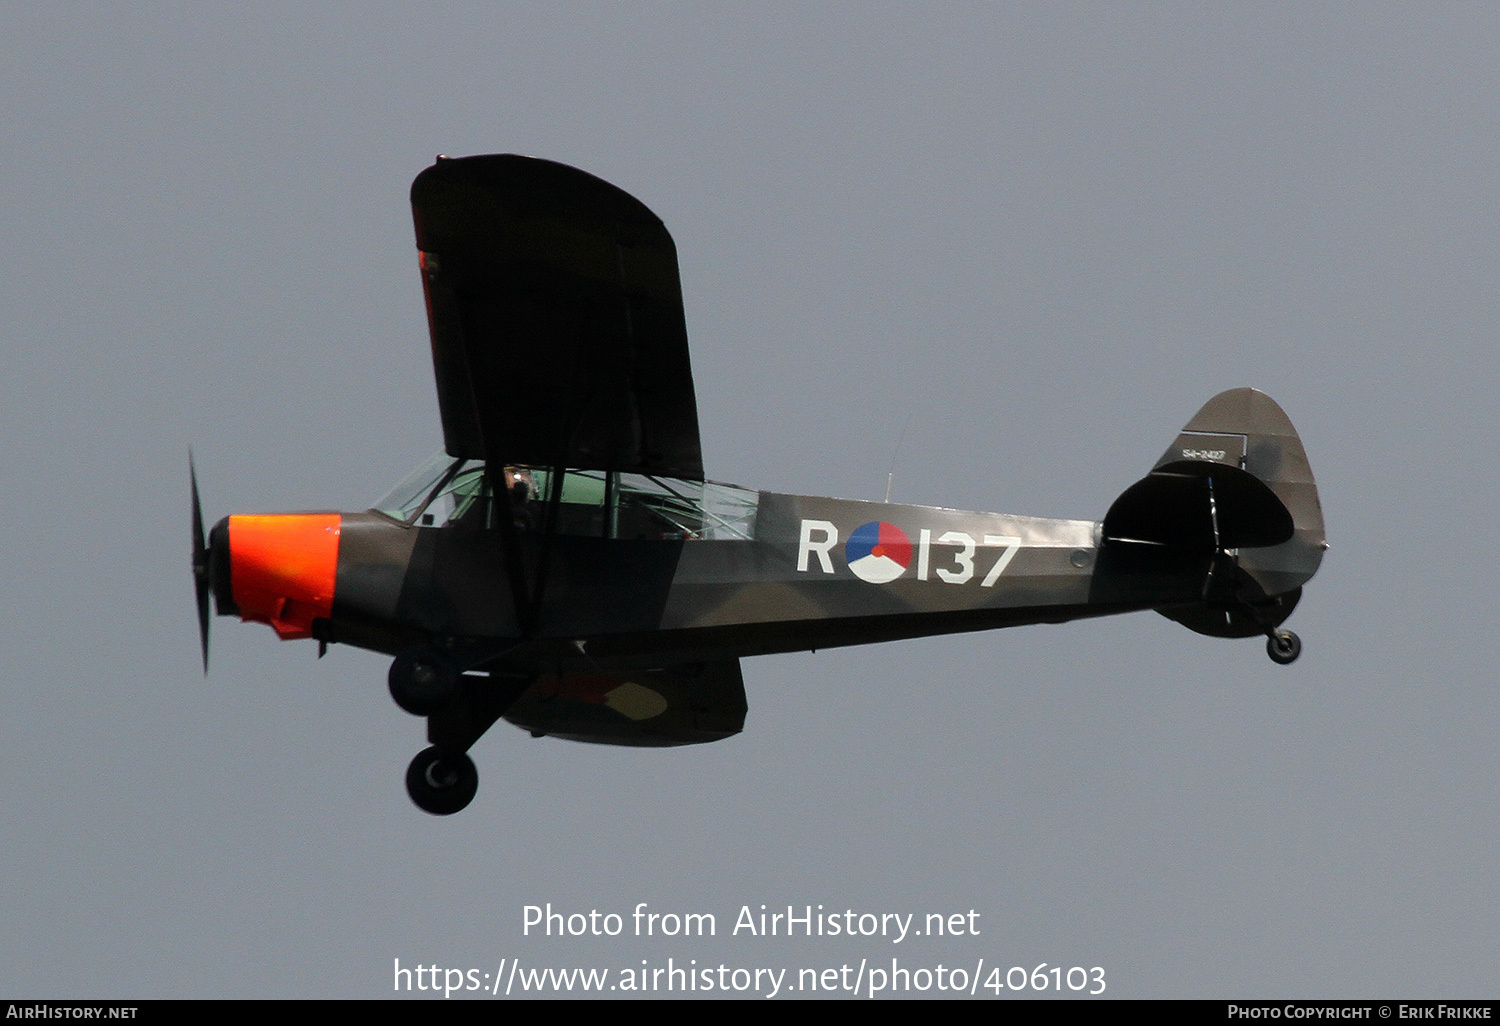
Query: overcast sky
[[1043, 236]]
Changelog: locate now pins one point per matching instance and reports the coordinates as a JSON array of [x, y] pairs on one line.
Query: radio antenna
[[900, 440]]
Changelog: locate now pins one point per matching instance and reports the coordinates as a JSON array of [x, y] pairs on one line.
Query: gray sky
[[1045, 236]]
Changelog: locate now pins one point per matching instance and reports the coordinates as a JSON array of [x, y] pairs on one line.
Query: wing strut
[[510, 543], [529, 596], [529, 600]]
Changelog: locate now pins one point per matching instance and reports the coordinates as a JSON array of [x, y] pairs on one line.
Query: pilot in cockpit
[[521, 485]]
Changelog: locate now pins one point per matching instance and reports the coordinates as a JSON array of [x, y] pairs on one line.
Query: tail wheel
[[442, 783], [423, 680], [1283, 647]]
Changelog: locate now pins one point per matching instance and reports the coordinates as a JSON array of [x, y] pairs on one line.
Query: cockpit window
[[464, 496], [639, 506], [407, 499], [684, 509], [445, 491]]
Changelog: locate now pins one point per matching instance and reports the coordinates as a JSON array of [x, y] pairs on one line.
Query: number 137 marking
[[964, 558]]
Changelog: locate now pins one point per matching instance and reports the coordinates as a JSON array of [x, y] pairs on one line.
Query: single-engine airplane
[[564, 564]]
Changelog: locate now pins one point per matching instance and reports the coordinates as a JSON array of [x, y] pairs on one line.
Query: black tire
[[1283, 647], [441, 783], [423, 680]]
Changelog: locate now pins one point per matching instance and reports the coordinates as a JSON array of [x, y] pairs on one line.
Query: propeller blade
[[200, 563]]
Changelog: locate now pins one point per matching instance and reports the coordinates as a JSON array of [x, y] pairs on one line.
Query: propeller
[[201, 573]]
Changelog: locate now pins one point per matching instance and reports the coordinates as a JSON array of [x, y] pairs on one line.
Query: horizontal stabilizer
[[1200, 505], [1243, 620]]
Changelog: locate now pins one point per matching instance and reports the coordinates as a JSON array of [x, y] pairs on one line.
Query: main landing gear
[[441, 782], [430, 681], [423, 681], [1283, 647]]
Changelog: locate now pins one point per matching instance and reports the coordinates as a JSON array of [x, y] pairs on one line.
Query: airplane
[[563, 563]]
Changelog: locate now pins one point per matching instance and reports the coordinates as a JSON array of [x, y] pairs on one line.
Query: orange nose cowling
[[282, 569]]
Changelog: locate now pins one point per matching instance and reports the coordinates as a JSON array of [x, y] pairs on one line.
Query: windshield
[[404, 501], [462, 497]]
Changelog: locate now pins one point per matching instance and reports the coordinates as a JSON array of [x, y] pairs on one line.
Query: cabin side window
[[610, 505]]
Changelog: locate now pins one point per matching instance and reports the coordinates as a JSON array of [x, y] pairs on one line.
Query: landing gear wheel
[[423, 680], [1283, 647], [441, 782]]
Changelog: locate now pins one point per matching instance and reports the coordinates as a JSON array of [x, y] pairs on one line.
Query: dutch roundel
[[878, 552]]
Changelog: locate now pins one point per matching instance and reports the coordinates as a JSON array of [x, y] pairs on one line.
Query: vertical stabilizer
[[1245, 428], [1232, 503]]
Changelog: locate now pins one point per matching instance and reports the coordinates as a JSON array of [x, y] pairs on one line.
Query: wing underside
[[555, 307]]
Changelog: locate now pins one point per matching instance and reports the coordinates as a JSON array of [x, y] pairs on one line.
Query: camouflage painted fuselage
[[790, 588]]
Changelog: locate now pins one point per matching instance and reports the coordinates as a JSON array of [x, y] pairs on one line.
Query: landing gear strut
[[441, 782], [1283, 647]]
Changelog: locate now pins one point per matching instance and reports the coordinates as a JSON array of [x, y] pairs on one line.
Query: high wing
[[555, 307]]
